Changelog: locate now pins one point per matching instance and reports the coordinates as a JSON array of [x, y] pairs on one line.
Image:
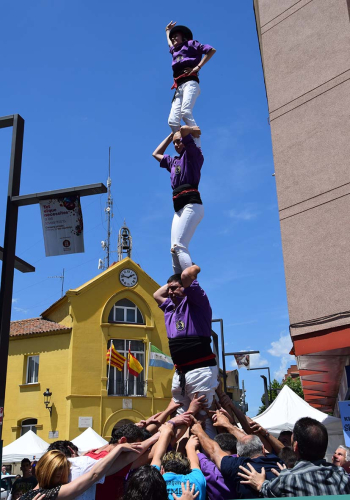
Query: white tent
[[27, 446], [288, 407], [89, 440]]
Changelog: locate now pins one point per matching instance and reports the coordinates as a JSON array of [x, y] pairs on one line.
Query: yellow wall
[[74, 366]]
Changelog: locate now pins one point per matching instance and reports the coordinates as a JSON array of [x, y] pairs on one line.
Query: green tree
[[293, 383]]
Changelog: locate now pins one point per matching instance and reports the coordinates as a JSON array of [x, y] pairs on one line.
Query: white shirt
[[78, 467]]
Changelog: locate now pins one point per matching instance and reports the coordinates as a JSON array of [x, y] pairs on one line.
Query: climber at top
[[187, 62]]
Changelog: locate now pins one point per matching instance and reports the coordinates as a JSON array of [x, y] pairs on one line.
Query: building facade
[[65, 351], [305, 47]]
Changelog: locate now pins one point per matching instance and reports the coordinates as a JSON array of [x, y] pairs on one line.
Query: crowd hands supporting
[[171, 456]]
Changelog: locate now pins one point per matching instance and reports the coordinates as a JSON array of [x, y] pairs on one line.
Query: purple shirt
[[186, 168], [187, 55], [192, 317], [216, 486]]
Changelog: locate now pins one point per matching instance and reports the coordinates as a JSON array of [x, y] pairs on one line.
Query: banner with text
[[62, 221], [344, 408], [243, 360]]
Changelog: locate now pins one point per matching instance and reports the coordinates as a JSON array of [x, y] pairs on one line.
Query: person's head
[[177, 37], [175, 287], [173, 461], [177, 141], [26, 467], [340, 456], [250, 447], [227, 443], [146, 482], [127, 433], [52, 469], [285, 438], [66, 447], [310, 439], [3, 470], [288, 456], [145, 434]]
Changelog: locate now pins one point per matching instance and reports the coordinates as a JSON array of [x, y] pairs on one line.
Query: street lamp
[[268, 369], [47, 398], [10, 262]]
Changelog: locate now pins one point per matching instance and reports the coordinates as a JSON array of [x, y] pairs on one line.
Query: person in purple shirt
[[187, 315], [185, 174], [217, 489], [187, 62]]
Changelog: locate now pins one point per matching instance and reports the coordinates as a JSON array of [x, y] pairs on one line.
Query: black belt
[[184, 195]]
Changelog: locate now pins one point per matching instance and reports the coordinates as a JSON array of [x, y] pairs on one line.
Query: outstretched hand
[[252, 477], [170, 25], [281, 467], [197, 403], [187, 494]]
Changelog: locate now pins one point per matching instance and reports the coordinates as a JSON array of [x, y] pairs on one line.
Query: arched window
[[125, 311], [28, 425]]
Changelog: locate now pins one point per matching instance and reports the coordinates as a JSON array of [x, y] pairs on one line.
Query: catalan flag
[[134, 366], [114, 358]]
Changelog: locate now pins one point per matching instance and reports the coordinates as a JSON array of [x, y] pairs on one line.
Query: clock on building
[[128, 277]]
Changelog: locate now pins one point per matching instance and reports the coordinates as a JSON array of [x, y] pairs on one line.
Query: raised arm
[[192, 452], [158, 153], [270, 442], [222, 419], [166, 433], [161, 294], [226, 402], [167, 31], [210, 447], [189, 275], [78, 486], [194, 131]]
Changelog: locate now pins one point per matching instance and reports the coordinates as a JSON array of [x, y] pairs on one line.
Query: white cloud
[[281, 349], [245, 214], [14, 301], [282, 346]]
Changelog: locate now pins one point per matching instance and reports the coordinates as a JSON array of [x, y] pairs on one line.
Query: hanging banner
[[62, 221], [243, 360], [344, 408]]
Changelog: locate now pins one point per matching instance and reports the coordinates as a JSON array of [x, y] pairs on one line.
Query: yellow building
[[65, 350]]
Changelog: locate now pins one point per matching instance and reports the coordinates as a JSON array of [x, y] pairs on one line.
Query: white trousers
[[182, 106], [183, 227], [201, 381]]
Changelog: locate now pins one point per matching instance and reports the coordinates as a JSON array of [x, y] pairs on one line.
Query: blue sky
[[86, 76]]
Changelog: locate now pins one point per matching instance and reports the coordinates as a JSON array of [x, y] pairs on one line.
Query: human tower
[[187, 311]]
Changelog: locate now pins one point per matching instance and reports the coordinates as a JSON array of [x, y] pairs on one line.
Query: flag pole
[[128, 367], [147, 370], [109, 365]]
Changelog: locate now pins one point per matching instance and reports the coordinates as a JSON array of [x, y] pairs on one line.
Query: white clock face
[[128, 277]]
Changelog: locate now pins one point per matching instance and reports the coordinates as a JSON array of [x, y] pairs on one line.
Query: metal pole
[[270, 389], [222, 349], [8, 265]]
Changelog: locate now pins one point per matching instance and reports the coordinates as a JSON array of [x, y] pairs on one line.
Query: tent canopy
[[89, 440], [27, 446], [288, 407]]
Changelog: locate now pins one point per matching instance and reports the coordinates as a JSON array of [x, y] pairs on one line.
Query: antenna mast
[[106, 244], [62, 281]]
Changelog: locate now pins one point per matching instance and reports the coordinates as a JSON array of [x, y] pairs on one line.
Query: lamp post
[[10, 262], [47, 398], [268, 369]]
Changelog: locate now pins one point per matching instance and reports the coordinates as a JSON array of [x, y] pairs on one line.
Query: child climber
[[187, 62]]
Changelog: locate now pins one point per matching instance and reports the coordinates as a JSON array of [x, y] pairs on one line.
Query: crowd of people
[[171, 456]]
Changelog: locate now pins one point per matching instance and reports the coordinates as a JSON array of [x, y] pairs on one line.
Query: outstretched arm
[[189, 275], [165, 435], [167, 31], [161, 294], [210, 447], [158, 153]]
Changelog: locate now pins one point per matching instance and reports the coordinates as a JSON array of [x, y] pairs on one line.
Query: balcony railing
[[126, 388]]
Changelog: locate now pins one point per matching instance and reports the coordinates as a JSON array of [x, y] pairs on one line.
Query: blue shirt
[[173, 483]]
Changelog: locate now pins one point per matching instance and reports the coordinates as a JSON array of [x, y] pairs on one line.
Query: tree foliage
[[293, 383]]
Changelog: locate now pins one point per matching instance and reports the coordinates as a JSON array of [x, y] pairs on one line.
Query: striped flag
[[134, 366], [158, 358], [114, 358]]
